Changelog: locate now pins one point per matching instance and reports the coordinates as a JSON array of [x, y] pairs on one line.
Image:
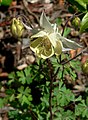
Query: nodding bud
[[76, 22], [17, 28], [85, 67]]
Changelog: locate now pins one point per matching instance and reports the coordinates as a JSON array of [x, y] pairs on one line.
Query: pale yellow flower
[[48, 41], [44, 46]]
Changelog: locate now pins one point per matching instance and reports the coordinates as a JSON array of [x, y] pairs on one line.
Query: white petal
[[56, 43], [66, 49], [39, 34], [69, 43], [27, 27], [52, 38], [44, 23], [55, 27]]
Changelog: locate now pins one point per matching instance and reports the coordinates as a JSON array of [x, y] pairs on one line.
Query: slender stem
[[62, 77], [50, 100], [56, 72], [63, 63], [51, 87], [66, 24], [60, 58]]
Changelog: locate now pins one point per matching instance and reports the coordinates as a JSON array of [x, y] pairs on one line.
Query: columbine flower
[[49, 42], [46, 45]]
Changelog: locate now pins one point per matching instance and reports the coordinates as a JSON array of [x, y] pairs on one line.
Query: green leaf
[[1, 102], [11, 75], [60, 85], [59, 75], [25, 100], [27, 71], [6, 2], [10, 91], [20, 74], [27, 91], [87, 100], [85, 1], [81, 6], [59, 21], [12, 98], [19, 95], [84, 23], [82, 3], [85, 112], [28, 75], [73, 74], [22, 80], [21, 89], [66, 31], [76, 65], [81, 109], [78, 99], [30, 98]]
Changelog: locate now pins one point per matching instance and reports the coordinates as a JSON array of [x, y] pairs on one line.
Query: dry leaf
[[72, 53]]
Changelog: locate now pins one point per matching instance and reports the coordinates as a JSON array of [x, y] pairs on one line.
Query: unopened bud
[[85, 67], [17, 28], [76, 22]]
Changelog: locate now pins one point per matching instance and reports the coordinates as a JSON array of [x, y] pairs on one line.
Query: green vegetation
[[29, 92]]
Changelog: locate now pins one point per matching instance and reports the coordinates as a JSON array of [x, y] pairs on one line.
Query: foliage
[[29, 92]]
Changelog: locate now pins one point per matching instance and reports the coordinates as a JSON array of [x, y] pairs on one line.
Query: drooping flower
[[49, 41]]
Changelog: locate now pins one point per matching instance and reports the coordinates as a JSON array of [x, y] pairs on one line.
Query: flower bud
[[85, 67], [76, 22], [17, 28]]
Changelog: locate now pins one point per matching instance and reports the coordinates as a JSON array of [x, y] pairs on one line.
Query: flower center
[[46, 43]]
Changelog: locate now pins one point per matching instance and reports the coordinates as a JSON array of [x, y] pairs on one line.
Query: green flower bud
[[76, 22], [85, 67], [17, 28]]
